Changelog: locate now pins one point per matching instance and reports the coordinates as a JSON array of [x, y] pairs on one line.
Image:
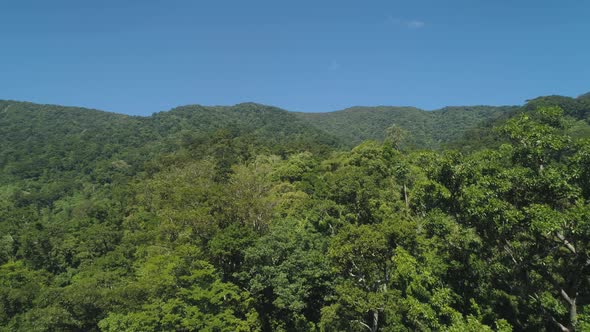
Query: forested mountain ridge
[[452, 126], [54, 139], [577, 111], [250, 218], [51, 139], [37, 138], [268, 126], [426, 129]]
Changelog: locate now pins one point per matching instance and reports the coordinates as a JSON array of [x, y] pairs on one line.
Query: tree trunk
[[406, 195], [573, 314], [375, 320], [573, 310]]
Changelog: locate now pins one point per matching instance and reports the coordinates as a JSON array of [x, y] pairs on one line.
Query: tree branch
[[566, 297], [363, 324], [561, 326], [509, 251], [566, 243]]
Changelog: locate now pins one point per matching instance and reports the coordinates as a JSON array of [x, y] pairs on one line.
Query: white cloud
[[415, 24], [410, 24]]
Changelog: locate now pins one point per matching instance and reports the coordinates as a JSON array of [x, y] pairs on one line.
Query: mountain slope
[[43, 140], [51, 141], [427, 129], [576, 110], [182, 221], [265, 126]]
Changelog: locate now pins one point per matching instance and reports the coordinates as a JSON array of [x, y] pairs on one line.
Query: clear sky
[[140, 57]]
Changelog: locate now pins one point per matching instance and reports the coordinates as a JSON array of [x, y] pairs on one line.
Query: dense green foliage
[[249, 218], [425, 129]]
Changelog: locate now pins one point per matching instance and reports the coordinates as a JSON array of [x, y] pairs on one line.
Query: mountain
[[585, 96], [253, 218], [37, 140], [53, 141], [275, 129], [45, 140], [576, 107], [427, 129], [576, 111], [48, 140]]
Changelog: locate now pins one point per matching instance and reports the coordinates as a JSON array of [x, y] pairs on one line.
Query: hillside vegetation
[[252, 218], [426, 129], [49, 140]]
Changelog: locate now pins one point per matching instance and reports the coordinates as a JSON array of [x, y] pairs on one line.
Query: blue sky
[[140, 57]]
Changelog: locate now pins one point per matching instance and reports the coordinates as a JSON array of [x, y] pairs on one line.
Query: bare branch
[[566, 243], [561, 326], [509, 251], [566, 297], [363, 324]]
